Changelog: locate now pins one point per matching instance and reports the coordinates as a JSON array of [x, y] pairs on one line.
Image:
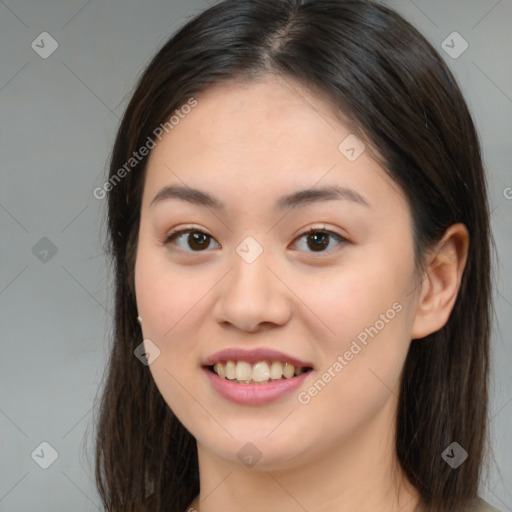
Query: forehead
[[260, 137]]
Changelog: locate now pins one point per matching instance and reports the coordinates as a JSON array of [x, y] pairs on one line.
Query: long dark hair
[[381, 74]]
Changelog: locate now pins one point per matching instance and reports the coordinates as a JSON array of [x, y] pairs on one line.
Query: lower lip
[[254, 394]]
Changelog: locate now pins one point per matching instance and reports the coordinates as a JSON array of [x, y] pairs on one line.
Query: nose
[[252, 296]]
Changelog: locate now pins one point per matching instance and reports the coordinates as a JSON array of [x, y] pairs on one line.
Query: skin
[[337, 452]]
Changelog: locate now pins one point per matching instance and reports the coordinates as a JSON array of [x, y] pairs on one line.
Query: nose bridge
[[251, 293], [250, 279]]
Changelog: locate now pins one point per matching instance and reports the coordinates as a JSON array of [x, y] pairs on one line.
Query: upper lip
[[253, 356]]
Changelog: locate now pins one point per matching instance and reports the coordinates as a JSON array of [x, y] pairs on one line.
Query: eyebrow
[[293, 200]]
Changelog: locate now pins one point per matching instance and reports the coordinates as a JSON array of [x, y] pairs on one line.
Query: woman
[[299, 228]]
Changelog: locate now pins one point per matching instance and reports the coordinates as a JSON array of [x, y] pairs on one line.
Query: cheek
[[360, 370], [165, 299], [169, 305], [366, 314], [354, 296]]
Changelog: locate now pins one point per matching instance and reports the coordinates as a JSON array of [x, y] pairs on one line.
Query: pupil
[[323, 240], [196, 237]]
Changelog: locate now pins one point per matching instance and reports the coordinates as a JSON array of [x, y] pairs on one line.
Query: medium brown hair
[[380, 73]]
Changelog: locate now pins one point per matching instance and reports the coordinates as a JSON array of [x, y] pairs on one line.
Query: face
[[247, 282]]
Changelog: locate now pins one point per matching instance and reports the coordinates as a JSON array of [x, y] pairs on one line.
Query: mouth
[[261, 372], [255, 377]]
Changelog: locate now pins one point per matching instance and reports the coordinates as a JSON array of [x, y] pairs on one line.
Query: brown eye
[[317, 240], [196, 240]]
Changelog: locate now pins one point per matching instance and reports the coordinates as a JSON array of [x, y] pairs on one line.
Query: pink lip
[[254, 394], [253, 356]]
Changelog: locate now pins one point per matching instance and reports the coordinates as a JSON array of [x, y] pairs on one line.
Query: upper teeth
[[258, 372]]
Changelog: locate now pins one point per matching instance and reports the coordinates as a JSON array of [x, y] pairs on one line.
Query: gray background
[[58, 121]]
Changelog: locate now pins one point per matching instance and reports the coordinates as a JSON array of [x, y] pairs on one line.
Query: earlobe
[[441, 282]]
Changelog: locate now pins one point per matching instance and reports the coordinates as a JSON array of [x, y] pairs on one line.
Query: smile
[[249, 392], [261, 372]]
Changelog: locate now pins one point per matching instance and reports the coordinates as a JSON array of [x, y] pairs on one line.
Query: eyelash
[[175, 234]]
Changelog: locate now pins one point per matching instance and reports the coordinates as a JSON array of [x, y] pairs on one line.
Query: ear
[[441, 282]]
